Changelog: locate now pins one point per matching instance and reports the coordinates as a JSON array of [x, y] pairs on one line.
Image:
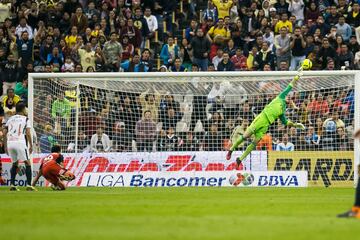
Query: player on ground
[[355, 210], [274, 110], [53, 170], [18, 144]]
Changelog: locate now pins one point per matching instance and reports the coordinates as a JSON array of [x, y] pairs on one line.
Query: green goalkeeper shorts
[[259, 126]]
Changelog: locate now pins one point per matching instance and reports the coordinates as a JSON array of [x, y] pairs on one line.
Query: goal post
[[212, 106]]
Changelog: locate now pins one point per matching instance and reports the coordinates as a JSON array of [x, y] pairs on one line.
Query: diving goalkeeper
[[274, 110]]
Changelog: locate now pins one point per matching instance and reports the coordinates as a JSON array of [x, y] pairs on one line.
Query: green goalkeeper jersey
[[277, 107]]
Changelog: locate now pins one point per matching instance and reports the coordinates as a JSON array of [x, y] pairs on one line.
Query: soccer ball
[[248, 179], [306, 64]]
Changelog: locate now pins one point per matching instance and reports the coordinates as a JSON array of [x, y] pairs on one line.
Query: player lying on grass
[[274, 110], [53, 170], [355, 210]]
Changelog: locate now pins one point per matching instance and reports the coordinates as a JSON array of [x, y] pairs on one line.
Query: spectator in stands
[[284, 22], [145, 131], [320, 24], [223, 7], [312, 13], [333, 17], [177, 66], [239, 60], [297, 46], [218, 58], [61, 111], [200, 46], [9, 102], [318, 107], [150, 103], [152, 22], [285, 145], [9, 71], [265, 56], [284, 66], [210, 12], [100, 141], [326, 52], [169, 51], [190, 143], [46, 48], [282, 45], [190, 32], [335, 118], [134, 65], [121, 138], [219, 33], [345, 58], [226, 64], [169, 142], [71, 39], [47, 140], [212, 139], [328, 141], [21, 90], [24, 27], [296, 8], [112, 52], [353, 17], [141, 24], [87, 56], [343, 29], [252, 26], [172, 118], [79, 20], [281, 6], [353, 45], [55, 58], [330, 65], [342, 140], [311, 139]]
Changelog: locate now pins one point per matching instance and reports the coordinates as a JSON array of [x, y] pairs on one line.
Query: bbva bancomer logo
[[248, 179], [245, 179]]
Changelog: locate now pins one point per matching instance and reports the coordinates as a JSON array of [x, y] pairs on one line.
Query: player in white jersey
[[18, 144]]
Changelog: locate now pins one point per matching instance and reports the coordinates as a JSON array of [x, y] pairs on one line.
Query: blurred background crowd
[[174, 35]]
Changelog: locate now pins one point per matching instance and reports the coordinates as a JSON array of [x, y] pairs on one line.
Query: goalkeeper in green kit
[[274, 110]]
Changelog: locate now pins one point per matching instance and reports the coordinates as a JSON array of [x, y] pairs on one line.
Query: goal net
[[159, 118]]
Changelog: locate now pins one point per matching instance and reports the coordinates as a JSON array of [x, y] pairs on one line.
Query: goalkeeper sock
[[13, 174], [28, 175], [237, 143], [248, 150], [357, 194]]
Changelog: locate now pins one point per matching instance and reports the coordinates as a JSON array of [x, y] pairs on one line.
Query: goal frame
[[290, 74]]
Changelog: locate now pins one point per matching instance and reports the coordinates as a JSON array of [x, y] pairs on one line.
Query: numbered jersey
[[16, 128]]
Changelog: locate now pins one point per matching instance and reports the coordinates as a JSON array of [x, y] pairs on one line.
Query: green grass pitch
[[177, 213]]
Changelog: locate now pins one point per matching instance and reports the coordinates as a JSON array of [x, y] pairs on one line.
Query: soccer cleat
[[228, 155], [353, 213], [14, 188], [31, 188], [238, 161]]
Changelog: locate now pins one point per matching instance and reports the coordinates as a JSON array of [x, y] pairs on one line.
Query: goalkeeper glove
[[299, 125]]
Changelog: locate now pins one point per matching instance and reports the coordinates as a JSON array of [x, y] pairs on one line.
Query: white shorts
[[18, 151]]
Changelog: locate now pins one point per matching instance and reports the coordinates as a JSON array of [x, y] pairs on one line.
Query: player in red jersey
[[53, 170]]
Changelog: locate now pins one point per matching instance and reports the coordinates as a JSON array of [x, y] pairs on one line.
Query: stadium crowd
[[170, 35]]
